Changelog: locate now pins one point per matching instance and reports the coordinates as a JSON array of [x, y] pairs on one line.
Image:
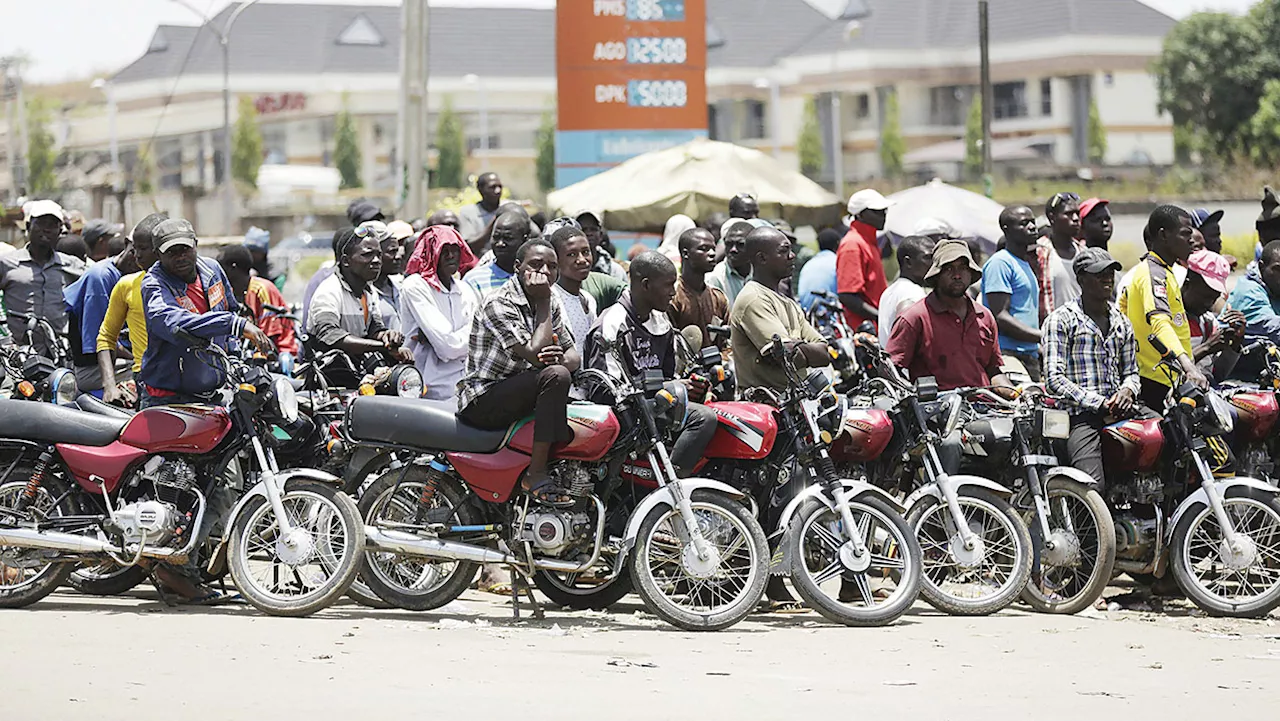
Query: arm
[[1008, 325], [1056, 347], [904, 339], [858, 304], [418, 312], [165, 318], [851, 281], [814, 348]]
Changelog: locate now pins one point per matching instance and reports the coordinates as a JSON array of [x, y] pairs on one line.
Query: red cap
[[1087, 206]]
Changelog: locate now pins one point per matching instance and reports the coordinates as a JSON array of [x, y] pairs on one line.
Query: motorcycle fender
[[961, 481], [1071, 474], [855, 489], [663, 497], [364, 461], [282, 478], [1224, 486]]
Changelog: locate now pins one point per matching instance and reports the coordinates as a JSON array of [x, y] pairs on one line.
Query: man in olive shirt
[[761, 312]]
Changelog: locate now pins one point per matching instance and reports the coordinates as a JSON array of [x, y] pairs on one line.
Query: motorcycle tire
[[114, 580], [1262, 508], [899, 556], [325, 504], [660, 593], [377, 568], [26, 592], [939, 562], [583, 598], [1047, 591]]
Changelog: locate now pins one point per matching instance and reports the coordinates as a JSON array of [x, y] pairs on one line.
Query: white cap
[[37, 208], [867, 199], [399, 229]]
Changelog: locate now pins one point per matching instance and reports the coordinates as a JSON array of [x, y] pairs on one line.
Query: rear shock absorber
[[35, 481], [436, 471]]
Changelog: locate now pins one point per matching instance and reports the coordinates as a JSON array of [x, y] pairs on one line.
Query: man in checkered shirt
[[1090, 358]]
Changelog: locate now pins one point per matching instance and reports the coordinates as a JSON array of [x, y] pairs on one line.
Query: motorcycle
[[36, 377], [84, 488], [697, 557], [1256, 411], [1221, 540]]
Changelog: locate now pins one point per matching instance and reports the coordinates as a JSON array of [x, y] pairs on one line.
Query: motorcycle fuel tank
[[867, 431], [177, 429], [595, 428], [1256, 413], [1132, 445], [744, 431]]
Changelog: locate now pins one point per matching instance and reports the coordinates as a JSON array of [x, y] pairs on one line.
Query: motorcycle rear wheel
[[1079, 581], [329, 523], [1201, 564], [987, 584], [106, 579], [707, 599], [572, 593], [23, 585], [813, 542], [414, 583]]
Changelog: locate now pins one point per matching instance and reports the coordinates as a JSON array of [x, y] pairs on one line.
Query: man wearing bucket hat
[[948, 336], [1091, 358], [860, 277]]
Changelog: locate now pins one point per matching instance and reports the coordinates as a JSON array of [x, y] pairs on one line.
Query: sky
[[94, 36]]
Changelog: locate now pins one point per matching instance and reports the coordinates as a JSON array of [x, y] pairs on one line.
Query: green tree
[[246, 144], [451, 148], [1096, 134], [1264, 127], [141, 171], [346, 149], [892, 145], [809, 144], [973, 139], [546, 162], [42, 156]]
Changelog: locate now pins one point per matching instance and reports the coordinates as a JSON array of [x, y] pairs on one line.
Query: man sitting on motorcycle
[[642, 313], [1090, 359], [257, 292]]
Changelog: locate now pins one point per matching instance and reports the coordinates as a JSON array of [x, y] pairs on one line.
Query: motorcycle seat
[[417, 423], [91, 404], [50, 423]]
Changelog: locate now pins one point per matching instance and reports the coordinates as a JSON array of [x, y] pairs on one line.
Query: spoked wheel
[[312, 567], [28, 575], [975, 580], [1225, 579], [106, 578], [583, 591], [1071, 575], [415, 583], [701, 593], [872, 590]]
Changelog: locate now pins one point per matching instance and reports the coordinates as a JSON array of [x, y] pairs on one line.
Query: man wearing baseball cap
[[860, 277], [1091, 358], [33, 278], [1215, 340], [1095, 223]]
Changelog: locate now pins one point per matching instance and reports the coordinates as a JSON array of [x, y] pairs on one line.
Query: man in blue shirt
[[510, 231], [819, 274], [87, 301], [1011, 289]]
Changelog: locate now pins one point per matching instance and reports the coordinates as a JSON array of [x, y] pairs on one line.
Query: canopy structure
[[969, 214], [697, 179]]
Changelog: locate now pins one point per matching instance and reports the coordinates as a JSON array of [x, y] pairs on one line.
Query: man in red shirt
[[947, 335], [859, 270]]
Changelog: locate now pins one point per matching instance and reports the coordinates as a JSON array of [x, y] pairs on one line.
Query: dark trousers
[[1084, 446], [699, 426], [544, 394], [146, 400], [1152, 394]]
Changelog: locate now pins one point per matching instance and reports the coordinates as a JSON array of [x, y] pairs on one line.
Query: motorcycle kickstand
[[155, 582], [526, 578]]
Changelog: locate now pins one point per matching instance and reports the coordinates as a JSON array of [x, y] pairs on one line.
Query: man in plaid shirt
[[1090, 359]]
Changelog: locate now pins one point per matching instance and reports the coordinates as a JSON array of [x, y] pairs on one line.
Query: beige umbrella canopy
[[696, 179]]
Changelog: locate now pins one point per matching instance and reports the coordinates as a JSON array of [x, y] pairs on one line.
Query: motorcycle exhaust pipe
[[377, 539], [52, 541]]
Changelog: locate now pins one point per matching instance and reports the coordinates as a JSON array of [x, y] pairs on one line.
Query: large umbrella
[[970, 215], [696, 179]]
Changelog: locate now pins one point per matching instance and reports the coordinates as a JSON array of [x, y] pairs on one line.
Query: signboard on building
[[631, 77]]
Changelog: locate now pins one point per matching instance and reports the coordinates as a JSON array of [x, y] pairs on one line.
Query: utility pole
[[988, 99], [415, 114]]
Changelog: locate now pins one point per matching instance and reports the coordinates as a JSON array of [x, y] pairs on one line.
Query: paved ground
[[73, 657]]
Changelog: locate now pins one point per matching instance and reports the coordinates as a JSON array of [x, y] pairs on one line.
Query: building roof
[[510, 42]]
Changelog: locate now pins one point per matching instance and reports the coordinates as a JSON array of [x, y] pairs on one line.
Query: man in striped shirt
[[510, 231]]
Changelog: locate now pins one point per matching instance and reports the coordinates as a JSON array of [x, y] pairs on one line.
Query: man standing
[[859, 267], [1057, 282], [257, 293], [1095, 223], [947, 336], [444, 217], [732, 273], [473, 219], [819, 274], [1090, 359], [126, 307], [1010, 289], [744, 206], [915, 260], [697, 303], [87, 300], [1153, 303], [602, 261], [510, 231], [189, 293], [33, 278]]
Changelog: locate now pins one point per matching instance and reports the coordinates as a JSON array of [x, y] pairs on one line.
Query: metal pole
[[414, 73], [775, 100], [228, 187], [24, 170], [987, 95], [837, 133], [115, 141], [484, 123]]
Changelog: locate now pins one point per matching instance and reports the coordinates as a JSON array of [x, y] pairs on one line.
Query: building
[[302, 64]]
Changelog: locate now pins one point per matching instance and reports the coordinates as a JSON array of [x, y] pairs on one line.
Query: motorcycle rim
[[411, 574], [22, 575], [1073, 575], [1222, 581]]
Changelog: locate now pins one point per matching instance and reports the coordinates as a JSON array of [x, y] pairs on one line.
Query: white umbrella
[[970, 215]]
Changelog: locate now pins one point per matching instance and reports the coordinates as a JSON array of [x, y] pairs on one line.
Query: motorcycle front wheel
[[842, 587], [975, 581], [1072, 575], [1243, 581], [310, 571], [708, 593]]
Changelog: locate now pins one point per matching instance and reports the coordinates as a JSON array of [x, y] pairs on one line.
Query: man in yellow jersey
[[1153, 303], [125, 305]]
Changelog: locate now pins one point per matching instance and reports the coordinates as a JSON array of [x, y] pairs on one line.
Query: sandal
[[212, 598], [545, 492]]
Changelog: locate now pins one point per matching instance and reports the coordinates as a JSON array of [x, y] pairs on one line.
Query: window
[[360, 32], [274, 144], [1046, 97], [863, 106], [753, 124], [949, 104], [1010, 100], [473, 143]]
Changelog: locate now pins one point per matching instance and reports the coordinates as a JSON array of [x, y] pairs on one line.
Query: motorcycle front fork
[[935, 474], [660, 462], [267, 464], [1215, 502]]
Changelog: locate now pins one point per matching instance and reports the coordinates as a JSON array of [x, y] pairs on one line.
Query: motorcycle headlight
[[1053, 424], [65, 388], [1221, 411], [286, 399], [407, 381]]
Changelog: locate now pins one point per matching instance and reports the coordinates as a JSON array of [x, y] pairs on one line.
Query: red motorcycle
[[85, 488]]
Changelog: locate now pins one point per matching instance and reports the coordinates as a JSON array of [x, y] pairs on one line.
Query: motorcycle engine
[[1135, 537], [158, 521], [553, 531], [1145, 489], [159, 518]]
